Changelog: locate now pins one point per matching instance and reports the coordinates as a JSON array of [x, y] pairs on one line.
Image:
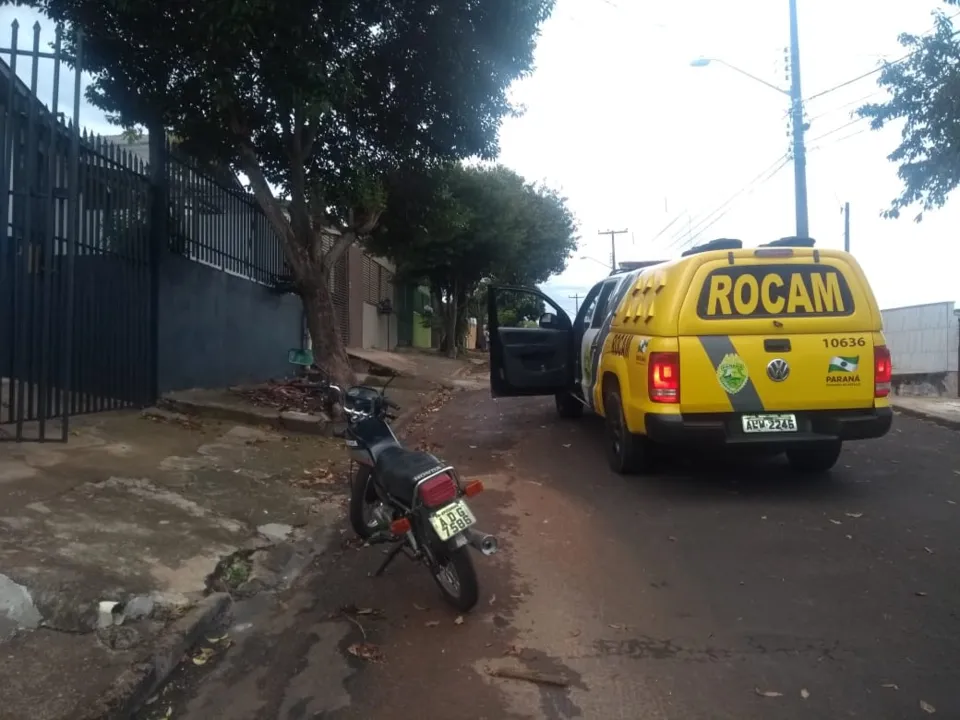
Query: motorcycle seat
[[400, 469]]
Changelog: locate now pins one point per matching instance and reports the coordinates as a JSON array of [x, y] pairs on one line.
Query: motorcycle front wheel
[[456, 577]]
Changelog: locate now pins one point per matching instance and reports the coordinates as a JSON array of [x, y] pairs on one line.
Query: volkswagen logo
[[778, 370]]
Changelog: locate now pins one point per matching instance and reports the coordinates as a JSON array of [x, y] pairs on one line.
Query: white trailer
[[924, 342]]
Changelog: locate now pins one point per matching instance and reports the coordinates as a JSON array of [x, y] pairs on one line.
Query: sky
[[618, 120]]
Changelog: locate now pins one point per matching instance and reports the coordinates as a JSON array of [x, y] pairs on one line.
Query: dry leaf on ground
[[203, 656], [459, 620], [804, 693], [432, 623], [927, 707], [854, 515], [891, 686], [366, 651], [768, 693]]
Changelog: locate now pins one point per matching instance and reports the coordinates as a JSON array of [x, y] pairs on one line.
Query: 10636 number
[[847, 342]]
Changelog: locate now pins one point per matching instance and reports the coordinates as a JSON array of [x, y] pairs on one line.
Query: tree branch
[[299, 212], [331, 256], [250, 164]]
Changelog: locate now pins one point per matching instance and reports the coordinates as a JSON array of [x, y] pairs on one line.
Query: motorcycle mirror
[[383, 390]]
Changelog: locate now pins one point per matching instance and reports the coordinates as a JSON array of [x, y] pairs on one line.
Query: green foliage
[[456, 225], [322, 95], [320, 98], [514, 309], [924, 89]]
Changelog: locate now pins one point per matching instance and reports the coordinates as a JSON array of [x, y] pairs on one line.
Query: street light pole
[[796, 111], [799, 148]]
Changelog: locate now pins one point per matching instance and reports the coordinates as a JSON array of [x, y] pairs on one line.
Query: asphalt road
[[715, 590]]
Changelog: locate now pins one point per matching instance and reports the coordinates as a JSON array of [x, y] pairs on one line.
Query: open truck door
[[528, 357]]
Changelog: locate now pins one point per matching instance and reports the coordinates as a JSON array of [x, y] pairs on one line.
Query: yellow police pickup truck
[[778, 347]]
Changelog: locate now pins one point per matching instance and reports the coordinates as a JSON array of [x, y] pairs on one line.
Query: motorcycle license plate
[[452, 519]]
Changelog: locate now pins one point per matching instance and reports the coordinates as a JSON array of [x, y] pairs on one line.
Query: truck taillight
[[438, 491], [882, 371], [663, 377]]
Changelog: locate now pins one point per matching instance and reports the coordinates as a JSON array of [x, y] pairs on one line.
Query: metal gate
[[76, 280]]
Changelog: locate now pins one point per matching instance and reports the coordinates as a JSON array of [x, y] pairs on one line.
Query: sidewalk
[[121, 548], [941, 410], [150, 514]]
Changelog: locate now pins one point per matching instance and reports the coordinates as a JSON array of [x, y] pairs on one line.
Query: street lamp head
[[700, 62]]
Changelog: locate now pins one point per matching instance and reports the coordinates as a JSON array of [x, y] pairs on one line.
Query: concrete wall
[[379, 331], [355, 294], [216, 329], [923, 341], [421, 334]]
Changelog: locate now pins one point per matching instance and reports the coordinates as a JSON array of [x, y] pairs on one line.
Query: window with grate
[[371, 280], [386, 286]]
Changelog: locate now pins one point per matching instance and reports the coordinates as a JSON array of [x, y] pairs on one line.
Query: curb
[[289, 420], [138, 683], [407, 415], [929, 417]]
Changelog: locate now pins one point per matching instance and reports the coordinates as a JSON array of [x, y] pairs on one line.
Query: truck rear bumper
[[727, 428]]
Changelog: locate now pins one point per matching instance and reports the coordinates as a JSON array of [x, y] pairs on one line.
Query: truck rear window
[[762, 291]]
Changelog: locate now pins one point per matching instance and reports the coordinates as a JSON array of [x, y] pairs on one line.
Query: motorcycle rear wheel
[[362, 499], [455, 575]]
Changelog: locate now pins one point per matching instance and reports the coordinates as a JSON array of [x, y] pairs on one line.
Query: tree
[[317, 98], [456, 227], [924, 87]]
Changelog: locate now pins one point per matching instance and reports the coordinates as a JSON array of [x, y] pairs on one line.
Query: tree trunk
[[451, 318], [463, 321], [329, 352], [481, 325]]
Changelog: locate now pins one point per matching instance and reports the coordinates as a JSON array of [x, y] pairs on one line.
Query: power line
[[667, 226], [768, 176], [861, 131], [854, 121], [858, 101], [877, 69], [707, 220]]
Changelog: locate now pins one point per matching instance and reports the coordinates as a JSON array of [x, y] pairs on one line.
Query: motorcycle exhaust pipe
[[482, 542]]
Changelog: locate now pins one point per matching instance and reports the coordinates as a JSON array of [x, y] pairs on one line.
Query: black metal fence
[[80, 249], [214, 221]]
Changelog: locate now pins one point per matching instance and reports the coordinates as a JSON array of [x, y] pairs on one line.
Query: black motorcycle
[[410, 498]]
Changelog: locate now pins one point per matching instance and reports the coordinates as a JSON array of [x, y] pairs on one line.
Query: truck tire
[[626, 453], [568, 407], [815, 458]]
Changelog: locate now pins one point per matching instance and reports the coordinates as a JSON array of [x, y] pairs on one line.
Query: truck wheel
[[816, 457], [627, 453], [568, 406]]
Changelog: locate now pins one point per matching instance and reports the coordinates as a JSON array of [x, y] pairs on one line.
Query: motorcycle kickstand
[[389, 559]]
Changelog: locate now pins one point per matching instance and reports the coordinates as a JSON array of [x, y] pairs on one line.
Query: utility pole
[[798, 122], [846, 227], [576, 301], [613, 244]]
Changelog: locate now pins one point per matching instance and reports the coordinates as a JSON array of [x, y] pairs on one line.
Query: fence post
[[159, 234]]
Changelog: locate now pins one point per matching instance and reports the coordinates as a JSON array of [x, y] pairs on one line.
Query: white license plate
[[452, 519], [769, 423]]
